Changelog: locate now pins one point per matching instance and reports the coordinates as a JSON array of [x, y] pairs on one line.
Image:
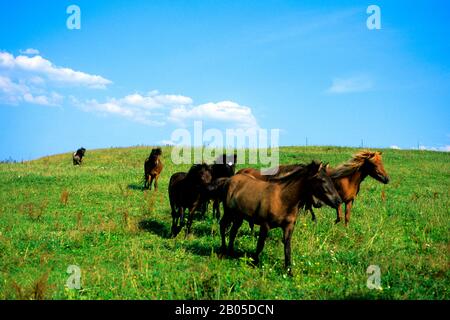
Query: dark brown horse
[[274, 203], [152, 168], [187, 191], [77, 156], [348, 177]]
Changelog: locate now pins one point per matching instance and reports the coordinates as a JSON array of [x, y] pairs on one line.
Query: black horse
[[77, 156], [223, 167], [188, 191]]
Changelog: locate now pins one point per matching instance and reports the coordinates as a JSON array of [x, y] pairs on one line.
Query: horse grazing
[[348, 177], [77, 156], [187, 191], [152, 168], [274, 203]]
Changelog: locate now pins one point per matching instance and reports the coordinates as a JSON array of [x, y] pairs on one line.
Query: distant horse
[[274, 203], [187, 191], [224, 167], [152, 168], [348, 177], [77, 156]]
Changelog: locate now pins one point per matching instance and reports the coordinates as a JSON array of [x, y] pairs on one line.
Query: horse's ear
[[315, 167], [380, 152]]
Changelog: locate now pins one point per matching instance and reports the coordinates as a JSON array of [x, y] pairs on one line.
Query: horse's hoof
[[337, 220], [289, 272]]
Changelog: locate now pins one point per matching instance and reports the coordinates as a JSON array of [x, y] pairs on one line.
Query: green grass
[[53, 215]]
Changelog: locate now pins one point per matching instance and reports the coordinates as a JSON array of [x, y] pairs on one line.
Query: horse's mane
[[350, 167], [292, 175], [155, 153]]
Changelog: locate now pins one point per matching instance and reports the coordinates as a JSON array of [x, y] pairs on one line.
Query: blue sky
[[138, 70]]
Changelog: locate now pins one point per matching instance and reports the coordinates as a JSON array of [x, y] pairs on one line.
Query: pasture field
[[97, 217]]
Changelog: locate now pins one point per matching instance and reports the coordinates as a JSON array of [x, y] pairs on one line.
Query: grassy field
[[97, 217]]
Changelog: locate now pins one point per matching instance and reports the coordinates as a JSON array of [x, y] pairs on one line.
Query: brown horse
[[283, 170], [187, 191], [348, 177], [274, 203], [152, 168]]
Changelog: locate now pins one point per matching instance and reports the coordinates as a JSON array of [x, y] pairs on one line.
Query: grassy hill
[[96, 216]]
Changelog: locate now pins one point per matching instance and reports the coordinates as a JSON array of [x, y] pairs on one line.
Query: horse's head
[[373, 166], [321, 186], [81, 152], [201, 174], [156, 152]]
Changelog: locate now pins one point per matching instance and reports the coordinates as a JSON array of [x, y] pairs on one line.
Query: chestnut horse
[[348, 177], [274, 203], [187, 191], [152, 168]]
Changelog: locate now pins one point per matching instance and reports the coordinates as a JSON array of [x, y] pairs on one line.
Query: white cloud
[[352, 84], [445, 148], [37, 65], [30, 51], [154, 100], [227, 112], [149, 109], [395, 147], [154, 109], [15, 93]]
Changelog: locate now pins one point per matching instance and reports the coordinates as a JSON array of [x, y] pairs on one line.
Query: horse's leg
[[313, 216], [150, 178], [175, 217], [348, 209], [174, 226], [287, 235], [309, 208], [181, 214], [234, 229], [190, 219], [224, 223], [216, 209], [156, 181], [338, 214], [263, 230]]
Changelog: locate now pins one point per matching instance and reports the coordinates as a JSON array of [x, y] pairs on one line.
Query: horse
[[152, 168], [77, 156], [273, 203], [223, 167], [347, 178], [283, 170], [187, 191]]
